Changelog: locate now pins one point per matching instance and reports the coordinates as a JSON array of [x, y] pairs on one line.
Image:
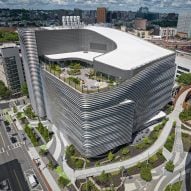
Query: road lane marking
[[2, 140]]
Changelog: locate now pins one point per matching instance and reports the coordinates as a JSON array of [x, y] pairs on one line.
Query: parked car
[[14, 134], [8, 128], [13, 139], [32, 180]]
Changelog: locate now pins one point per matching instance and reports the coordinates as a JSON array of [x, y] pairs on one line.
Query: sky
[[126, 5]]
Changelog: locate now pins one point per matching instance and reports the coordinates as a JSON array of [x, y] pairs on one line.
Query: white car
[[32, 180]]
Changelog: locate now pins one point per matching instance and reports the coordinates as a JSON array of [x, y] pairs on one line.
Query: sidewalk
[[43, 168]]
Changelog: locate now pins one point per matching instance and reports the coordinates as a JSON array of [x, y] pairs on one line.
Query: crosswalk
[[15, 145], [11, 147], [2, 150]]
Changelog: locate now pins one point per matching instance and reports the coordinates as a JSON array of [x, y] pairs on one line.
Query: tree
[[111, 156], [169, 166], [24, 89], [184, 79], [4, 91], [146, 173], [63, 181], [125, 151]]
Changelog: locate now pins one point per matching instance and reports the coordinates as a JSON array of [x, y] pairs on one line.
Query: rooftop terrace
[[82, 77]]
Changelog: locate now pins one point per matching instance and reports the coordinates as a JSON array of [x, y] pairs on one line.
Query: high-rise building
[[121, 82], [11, 68], [184, 24], [101, 14], [140, 24], [167, 32], [144, 10]]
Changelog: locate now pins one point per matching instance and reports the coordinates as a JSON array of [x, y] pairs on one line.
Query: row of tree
[[5, 93]]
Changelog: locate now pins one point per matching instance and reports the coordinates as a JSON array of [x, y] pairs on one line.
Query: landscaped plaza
[[82, 76]]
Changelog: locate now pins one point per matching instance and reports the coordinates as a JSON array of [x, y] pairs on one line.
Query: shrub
[[79, 163], [97, 164], [74, 66], [153, 159], [70, 151], [146, 173], [62, 181], [15, 109], [89, 186], [147, 141], [19, 115], [6, 123], [170, 142], [43, 152], [104, 177], [74, 72], [174, 187], [125, 151], [29, 113], [110, 156], [44, 132], [184, 78], [51, 165], [169, 166], [174, 124], [138, 165], [185, 115], [75, 80]]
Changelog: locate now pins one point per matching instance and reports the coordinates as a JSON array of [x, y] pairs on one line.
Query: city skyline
[[124, 5]]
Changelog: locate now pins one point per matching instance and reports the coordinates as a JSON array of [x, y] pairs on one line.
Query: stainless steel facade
[[97, 122]]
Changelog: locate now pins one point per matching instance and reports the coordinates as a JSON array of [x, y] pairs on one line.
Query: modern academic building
[[123, 82]]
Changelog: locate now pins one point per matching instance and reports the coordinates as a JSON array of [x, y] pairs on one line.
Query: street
[[18, 150]]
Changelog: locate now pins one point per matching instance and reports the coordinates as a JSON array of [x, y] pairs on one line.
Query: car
[[14, 134], [32, 180], [8, 128], [13, 139], [24, 138]]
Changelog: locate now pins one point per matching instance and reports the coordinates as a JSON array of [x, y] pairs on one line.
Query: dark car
[[14, 134], [8, 128], [13, 139]]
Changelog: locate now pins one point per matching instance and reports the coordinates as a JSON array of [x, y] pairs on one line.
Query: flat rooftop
[[88, 56], [132, 52]]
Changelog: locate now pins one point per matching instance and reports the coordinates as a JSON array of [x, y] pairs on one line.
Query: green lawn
[[170, 141], [174, 187], [60, 172], [186, 139]]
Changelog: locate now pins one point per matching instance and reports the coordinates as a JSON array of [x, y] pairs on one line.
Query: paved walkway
[[179, 157]]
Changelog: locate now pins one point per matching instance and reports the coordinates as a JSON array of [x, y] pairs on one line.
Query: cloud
[[154, 5]]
